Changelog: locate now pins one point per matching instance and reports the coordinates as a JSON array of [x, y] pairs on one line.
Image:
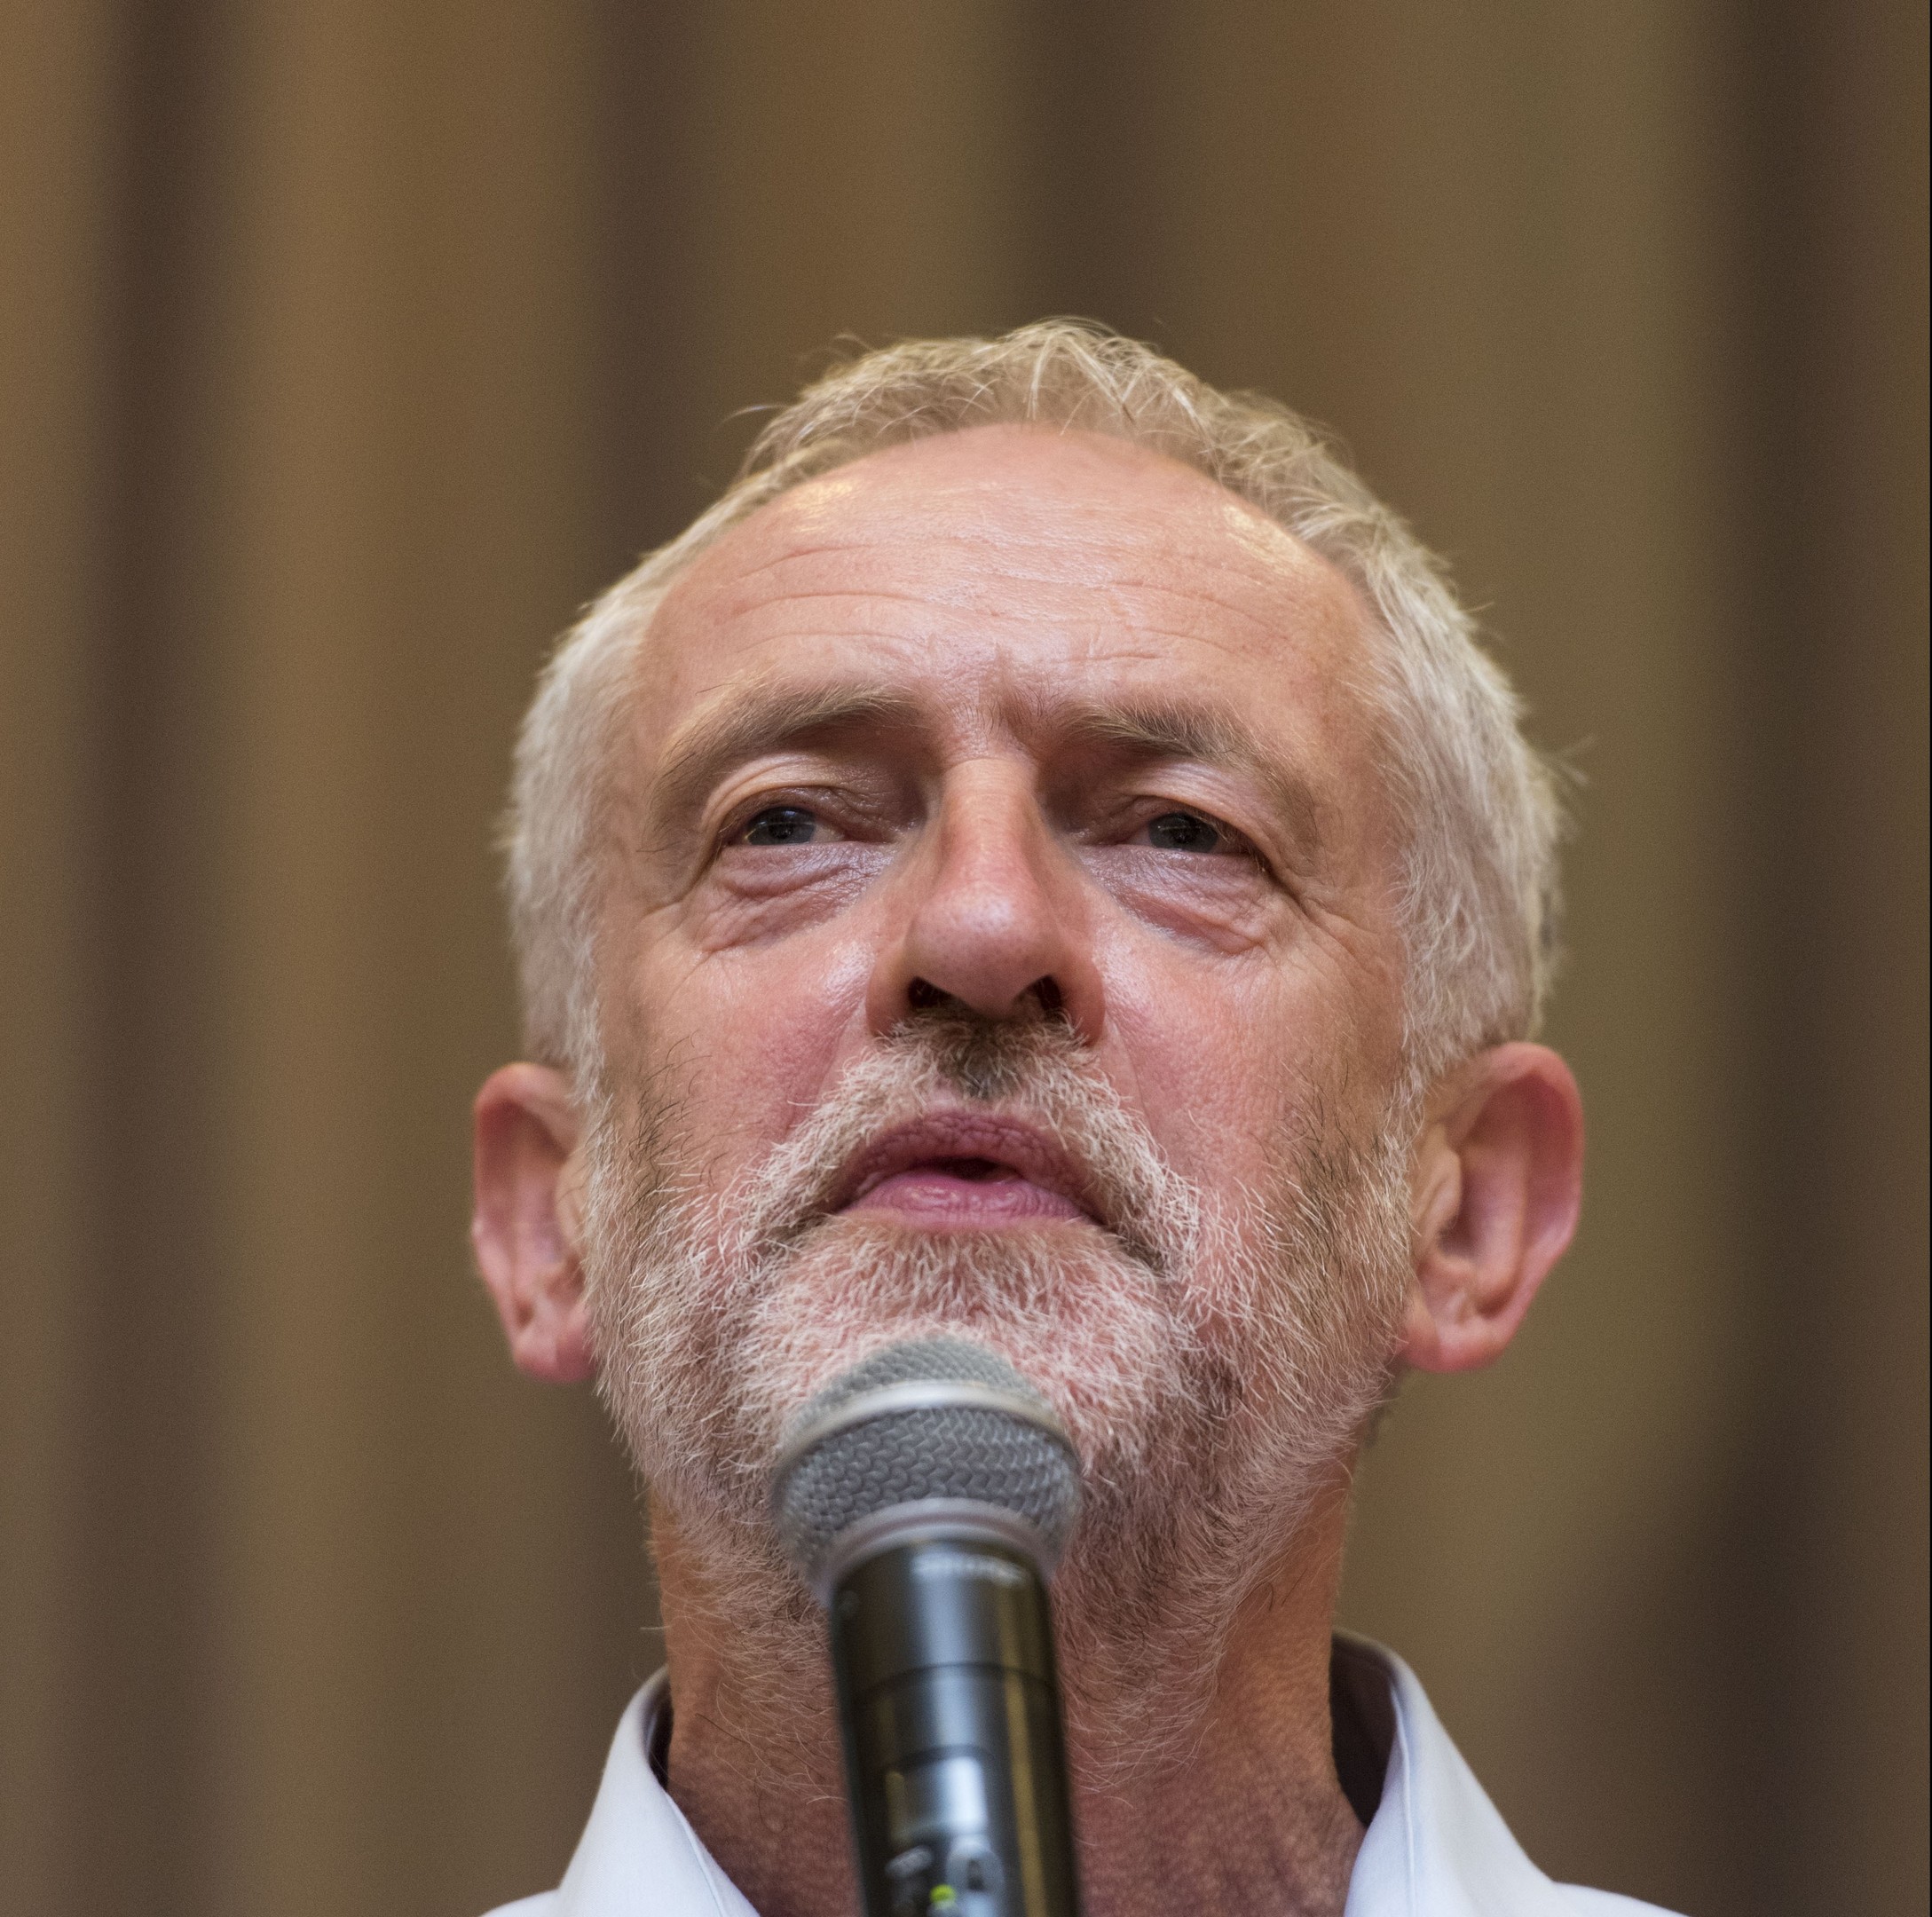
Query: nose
[[992, 914]]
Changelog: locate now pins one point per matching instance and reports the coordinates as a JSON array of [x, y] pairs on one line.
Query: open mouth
[[965, 1168]]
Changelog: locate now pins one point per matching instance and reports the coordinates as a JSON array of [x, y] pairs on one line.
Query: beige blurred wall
[[348, 347]]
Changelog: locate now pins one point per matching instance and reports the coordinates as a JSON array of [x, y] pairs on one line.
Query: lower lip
[[940, 1198]]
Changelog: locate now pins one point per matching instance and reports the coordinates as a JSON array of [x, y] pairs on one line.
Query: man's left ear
[[1499, 1182]]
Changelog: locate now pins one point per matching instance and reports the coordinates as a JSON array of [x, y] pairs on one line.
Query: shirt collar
[[1435, 1846], [638, 1852]]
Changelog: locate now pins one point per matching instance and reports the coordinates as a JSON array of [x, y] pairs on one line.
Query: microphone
[[926, 1495]]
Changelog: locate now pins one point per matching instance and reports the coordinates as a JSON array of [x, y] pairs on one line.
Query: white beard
[[1215, 1358]]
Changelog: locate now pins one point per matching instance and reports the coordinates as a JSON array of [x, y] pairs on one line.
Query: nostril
[[921, 995]]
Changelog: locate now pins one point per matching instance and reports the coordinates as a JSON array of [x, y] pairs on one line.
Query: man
[[1043, 860]]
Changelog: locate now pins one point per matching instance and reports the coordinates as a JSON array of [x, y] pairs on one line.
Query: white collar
[[1435, 1846]]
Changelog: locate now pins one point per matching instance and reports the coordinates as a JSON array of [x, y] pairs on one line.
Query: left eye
[[1184, 832], [782, 825]]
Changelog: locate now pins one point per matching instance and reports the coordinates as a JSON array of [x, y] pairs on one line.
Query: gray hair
[[1477, 807]]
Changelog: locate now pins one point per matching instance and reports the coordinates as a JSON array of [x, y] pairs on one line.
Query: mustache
[[1036, 1073]]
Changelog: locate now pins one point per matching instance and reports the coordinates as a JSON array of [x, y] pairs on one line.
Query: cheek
[[745, 1042], [1210, 1062], [1234, 1063]]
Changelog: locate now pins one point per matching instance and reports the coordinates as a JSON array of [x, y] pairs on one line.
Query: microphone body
[[956, 1770], [925, 1496]]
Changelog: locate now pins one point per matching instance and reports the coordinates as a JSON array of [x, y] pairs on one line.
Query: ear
[[1498, 1185], [526, 1227]]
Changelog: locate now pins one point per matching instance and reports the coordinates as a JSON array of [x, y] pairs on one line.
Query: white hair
[[1476, 806]]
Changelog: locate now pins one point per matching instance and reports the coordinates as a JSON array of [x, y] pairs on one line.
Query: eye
[[783, 825], [1186, 831]]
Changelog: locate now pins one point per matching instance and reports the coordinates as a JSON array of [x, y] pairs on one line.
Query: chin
[[1061, 1300]]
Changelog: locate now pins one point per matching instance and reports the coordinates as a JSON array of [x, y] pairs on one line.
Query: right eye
[[783, 825]]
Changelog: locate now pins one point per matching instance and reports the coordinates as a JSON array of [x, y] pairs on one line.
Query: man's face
[[1002, 935]]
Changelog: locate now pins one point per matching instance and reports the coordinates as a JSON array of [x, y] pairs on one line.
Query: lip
[[926, 1144]]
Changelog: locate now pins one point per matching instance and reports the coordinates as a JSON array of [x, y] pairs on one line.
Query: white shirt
[[1434, 1848]]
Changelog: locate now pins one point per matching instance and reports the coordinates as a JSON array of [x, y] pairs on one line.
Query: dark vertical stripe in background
[[348, 347]]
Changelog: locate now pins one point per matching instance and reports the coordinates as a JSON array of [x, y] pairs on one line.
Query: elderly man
[[1043, 860]]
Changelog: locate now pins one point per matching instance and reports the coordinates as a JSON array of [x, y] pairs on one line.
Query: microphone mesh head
[[974, 1452]]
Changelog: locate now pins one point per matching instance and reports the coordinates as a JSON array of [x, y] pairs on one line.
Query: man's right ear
[[526, 1228]]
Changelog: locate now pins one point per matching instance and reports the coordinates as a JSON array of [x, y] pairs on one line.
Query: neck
[[1241, 1812]]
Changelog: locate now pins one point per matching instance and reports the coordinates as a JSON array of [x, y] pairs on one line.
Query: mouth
[[965, 1170]]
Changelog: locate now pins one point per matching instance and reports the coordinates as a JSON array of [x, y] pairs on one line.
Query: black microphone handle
[[956, 1770]]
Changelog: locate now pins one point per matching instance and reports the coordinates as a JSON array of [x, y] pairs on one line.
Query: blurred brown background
[[349, 345]]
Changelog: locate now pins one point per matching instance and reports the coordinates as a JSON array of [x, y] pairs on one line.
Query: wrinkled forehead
[[1019, 558]]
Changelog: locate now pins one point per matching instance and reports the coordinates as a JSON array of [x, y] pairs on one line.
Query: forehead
[[1000, 568]]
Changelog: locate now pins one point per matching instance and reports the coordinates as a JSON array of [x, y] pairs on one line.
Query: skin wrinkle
[[980, 600], [1111, 592], [774, 717], [741, 722], [1169, 733], [1264, 544]]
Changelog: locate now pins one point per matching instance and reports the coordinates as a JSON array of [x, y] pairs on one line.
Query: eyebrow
[[741, 723], [1160, 730]]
